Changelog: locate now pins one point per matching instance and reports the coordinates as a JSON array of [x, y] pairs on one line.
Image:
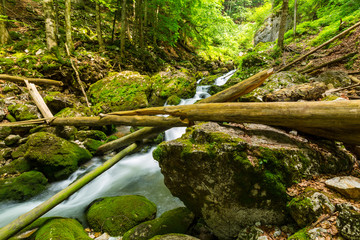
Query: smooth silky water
[[136, 174]]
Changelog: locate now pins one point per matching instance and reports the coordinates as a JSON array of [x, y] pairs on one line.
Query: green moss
[[93, 134], [19, 165], [54, 156], [116, 215], [111, 138], [22, 187], [300, 235], [173, 100], [4, 132], [10, 118], [21, 112], [33, 227], [174, 221], [62, 228], [92, 145]]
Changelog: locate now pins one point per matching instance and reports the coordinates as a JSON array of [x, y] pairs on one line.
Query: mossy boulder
[[173, 100], [22, 187], [174, 236], [56, 101], [123, 91], [174, 221], [79, 111], [61, 228], [4, 132], [16, 166], [23, 112], [92, 145], [172, 82], [348, 221], [242, 173], [93, 134], [117, 215], [307, 208], [57, 158]]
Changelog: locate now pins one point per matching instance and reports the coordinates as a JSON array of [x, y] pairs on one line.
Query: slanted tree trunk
[[284, 14], [50, 27], [69, 41], [98, 27], [123, 28], [4, 34]]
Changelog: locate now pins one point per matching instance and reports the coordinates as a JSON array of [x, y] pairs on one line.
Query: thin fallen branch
[[340, 59], [317, 48], [29, 217], [77, 76], [354, 79], [38, 81]]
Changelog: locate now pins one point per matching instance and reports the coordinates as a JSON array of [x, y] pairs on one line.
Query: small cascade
[[137, 174]]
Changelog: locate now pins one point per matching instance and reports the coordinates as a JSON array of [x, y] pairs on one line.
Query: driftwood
[[39, 101], [38, 81], [329, 63], [317, 48], [227, 95], [27, 218]]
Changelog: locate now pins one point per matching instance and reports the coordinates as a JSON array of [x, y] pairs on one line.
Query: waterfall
[[136, 174]]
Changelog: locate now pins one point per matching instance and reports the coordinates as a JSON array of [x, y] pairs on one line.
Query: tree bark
[[50, 28], [4, 34], [284, 14], [38, 81], [123, 29], [29, 217], [98, 27], [68, 28], [295, 18]]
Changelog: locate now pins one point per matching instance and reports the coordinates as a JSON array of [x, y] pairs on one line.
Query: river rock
[[172, 82], [237, 176], [22, 187], [349, 186], [12, 140], [123, 91], [348, 221], [174, 221], [117, 215], [57, 158], [61, 228], [309, 207], [306, 91], [174, 236]]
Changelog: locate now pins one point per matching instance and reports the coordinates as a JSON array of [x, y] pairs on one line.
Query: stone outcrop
[[117, 215], [349, 186], [236, 176]]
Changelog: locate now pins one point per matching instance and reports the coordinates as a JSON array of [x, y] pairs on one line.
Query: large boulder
[[177, 220], [172, 82], [123, 91], [237, 176], [23, 186], [117, 215], [55, 157]]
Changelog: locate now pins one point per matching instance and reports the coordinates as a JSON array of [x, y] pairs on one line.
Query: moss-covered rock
[[93, 134], [307, 208], [29, 231], [61, 229], [4, 132], [174, 236], [22, 187], [12, 140], [172, 82], [348, 221], [56, 101], [23, 112], [57, 158], [92, 145], [242, 173], [17, 166], [79, 111], [173, 100], [174, 221], [335, 78], [300, 235], [116, 215], [123, 91]]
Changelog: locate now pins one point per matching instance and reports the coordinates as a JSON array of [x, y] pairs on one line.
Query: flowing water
[[137, 174]]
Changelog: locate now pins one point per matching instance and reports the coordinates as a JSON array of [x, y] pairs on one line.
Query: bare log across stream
[[38, 81]]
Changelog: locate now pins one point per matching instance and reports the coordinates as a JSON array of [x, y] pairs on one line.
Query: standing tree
[[123, 28], [4, 34], [98, 27], [68, 29], [50, 27], [284, 14]]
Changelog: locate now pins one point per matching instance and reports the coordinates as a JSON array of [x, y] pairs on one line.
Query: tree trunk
[[37, 81], [4, 34], [68, 29], [295, 17], [123, 28], [114, 26], [139, 15], [98, 27], [284, 14], [50, 27]]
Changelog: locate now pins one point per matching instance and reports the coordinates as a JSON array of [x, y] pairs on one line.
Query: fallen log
[[27, 218], [38, 81], [227, 95], [317, 48], [334, 114]]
